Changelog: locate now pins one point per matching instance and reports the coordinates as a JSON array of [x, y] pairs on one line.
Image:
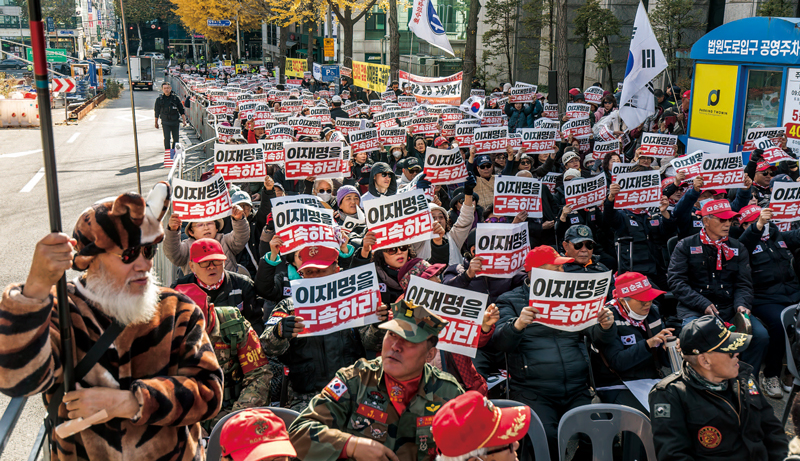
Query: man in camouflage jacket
[[381, 409]]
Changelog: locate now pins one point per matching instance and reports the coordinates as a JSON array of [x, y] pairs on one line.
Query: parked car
[[106, 68], [11, 64], [154, 55], [103, 61]]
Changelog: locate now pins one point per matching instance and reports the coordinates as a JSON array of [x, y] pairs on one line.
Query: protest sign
[[348, 299], [538, 140], [784, 201], [348, 125], [305, 126], [304, 199], [273, 151], [406, 102], [619, 168], [291, 106], [513, 194], [444, 166], [428, 124], [774, 133], [261, 118], [385, 120], [568, 301], [463, 310], [365, 141], [388, 96], [351, 108], [399, 219], [299, 226], [772, 151], [448, 129], [549, 180], [605, 134], [372, 76], [477, 93], [392, 136], [375, 107], [689, 164], [240, 162], [638, 190], [490, 140], [322, 160], [577, 128], [225, 133], [722, 171], [585, 193], [492, 117], [577, 110], [659, 145], [435, 90], [323, 114], [465, 135], [593, 95], [602, 148], [502, 248], [522, 94], [200, 201], [281, 133], [550, 111]]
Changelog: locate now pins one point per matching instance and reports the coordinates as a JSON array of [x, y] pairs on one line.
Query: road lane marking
[[32, 183], [73, 138], [92, 117], [20, 154]]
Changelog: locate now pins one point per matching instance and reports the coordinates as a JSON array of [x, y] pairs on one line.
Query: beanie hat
[[572, 172], [568, 156], [125, 222], [343, 191]]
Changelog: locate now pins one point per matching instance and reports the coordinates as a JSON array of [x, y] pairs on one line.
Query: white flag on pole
[[426, 25], [645, 62]]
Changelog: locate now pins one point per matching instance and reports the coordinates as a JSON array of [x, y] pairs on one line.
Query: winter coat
[[233, 243]]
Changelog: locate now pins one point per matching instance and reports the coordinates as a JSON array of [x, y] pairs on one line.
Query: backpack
[[234, 333]]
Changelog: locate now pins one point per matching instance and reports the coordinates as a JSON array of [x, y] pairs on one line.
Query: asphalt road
[[95, 160]]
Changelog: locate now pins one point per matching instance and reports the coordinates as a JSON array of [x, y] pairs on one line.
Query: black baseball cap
[[411, 163], [708, 334], [578, 233]]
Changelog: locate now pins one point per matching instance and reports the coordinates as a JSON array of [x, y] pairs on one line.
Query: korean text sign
[[300, 225], [322, 160], [348, 299], [399, 219], [689, 164], [201, 201], [722, 171], [585, 193], [444, 166], [784, 201], [463, 309], [502, 247], [490, 140], [638, 190], [659, 145], [240, 162], [513, 194], [568, 301]]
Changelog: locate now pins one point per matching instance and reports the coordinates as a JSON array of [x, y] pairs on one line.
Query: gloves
[[285, 328], [469, 185], [423, 183]]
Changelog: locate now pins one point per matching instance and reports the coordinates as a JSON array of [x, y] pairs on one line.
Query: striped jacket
[[168, 364]]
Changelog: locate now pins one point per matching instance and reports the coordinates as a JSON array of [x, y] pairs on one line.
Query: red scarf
[[401, 393], [211, 287], [618, 306], [722, 248]]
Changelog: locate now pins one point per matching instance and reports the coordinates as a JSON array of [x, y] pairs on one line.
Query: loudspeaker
[[552, 84]]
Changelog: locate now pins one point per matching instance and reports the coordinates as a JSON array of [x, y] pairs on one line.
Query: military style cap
[[578, 233], [413, 323], [708, 334]]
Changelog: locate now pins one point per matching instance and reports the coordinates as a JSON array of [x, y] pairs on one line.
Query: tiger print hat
[[124, 222]]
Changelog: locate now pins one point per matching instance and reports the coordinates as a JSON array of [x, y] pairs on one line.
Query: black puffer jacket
[[541, 360], [236, 291], [774, 281]]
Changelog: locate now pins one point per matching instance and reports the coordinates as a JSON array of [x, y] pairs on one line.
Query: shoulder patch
[[628, 340], [335, 389], [661, 410]]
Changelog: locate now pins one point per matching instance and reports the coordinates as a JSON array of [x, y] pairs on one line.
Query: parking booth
[[746, 75]]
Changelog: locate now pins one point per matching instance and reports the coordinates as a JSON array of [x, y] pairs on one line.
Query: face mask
[[325, 196], [397, 153], [634, 315]]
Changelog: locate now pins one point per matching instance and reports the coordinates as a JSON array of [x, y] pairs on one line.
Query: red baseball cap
[[749, 213], [635, 285], [719, 208], [574, 91], [763, 165], [439, 141], [255, 434], [544, 255], [317, 256], [471, 421], [687, 93], [206, 250]]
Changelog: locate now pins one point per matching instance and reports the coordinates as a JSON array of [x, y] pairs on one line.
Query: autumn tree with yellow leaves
[[194, 14]]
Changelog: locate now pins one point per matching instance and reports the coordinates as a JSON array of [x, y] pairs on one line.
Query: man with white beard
[[156, 381]]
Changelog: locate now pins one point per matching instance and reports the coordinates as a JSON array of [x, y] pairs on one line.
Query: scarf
[[721, 387], [637, 323], [211, 287], [722, 248], [401, 393]]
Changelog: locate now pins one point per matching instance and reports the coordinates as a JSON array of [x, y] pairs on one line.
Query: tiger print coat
[[169, 365]]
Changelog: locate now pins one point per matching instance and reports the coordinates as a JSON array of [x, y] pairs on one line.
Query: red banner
[[399, 219], [492, 117], [502, 247], [602, 148], [576, 128], [722, 171], [465, 135], [638, 190], [576, 110], [538, 140], [513, 194], [384, 120], [200, 201], [322, 160], [550, 111], [772, 151], [428, 124], [406, 102], [568, 301]]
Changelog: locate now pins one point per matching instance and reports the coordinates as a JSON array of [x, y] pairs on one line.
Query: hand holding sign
[[525, 318], [490, 317]]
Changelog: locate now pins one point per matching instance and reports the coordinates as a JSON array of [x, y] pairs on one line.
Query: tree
[[394, 42], [561, 56], [194, 14], [501, 17], [594, 25], [344, 11], [672, 21], [139, 11], [62, 11], [775, 8], [470, 51]]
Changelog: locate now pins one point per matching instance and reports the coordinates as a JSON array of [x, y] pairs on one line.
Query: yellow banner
[[372, 76], [296, 67], [329, 48], [713, 99]]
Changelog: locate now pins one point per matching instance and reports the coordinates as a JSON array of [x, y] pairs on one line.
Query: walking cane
[[51, 180]]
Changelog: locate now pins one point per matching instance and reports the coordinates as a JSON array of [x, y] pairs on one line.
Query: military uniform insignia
[[433, 407], [709, 437], [423, 442], [751, 387], [358, 424], [377, 433], [662, 410], [335, 389], [372, 413], [517, 425], [375, 400]]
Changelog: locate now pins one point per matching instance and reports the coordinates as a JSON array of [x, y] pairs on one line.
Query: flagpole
[[675, 98], [410, 48]]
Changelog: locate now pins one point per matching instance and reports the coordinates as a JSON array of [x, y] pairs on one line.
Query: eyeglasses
[[608, 102], [768, 173], [485, 166], [588, 244], [207, 264], [392, 251], [131, 254], [510, 446], [494, 220], [322, 191]]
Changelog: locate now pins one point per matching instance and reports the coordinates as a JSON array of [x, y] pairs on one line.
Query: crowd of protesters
[[695, 266]]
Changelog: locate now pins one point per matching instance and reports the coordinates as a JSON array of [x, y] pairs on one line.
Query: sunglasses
[[131, 254], [501, 157], [768, 173], [385, 174], [722, 220], [501, 449], [485, 166], [207, 264], [322, 191], [588, 244], [494, 220], [392, 251], [525, 162]]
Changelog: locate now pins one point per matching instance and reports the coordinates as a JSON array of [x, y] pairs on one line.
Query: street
[[95, 160]]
